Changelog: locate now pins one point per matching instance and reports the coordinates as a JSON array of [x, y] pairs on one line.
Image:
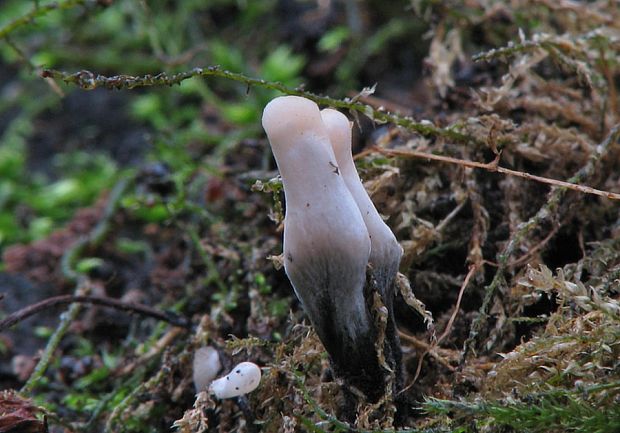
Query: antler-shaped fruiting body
[[327, 245], [385, 252]]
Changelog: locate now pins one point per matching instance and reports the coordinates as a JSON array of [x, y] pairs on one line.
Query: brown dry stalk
[[494, 166], [446, 332], [547, 211], [440, 354], [166, 340], [431, 348], [533, 250], [144, 310]]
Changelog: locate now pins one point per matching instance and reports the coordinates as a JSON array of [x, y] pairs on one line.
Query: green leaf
[[241, 113], [43, 331], [130, 246], [282, 65], [40, 227], [226, 56], [333, 39], [86, 265]]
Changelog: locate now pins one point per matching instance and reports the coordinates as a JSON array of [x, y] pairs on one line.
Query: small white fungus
[[243, 379], [206, 367]]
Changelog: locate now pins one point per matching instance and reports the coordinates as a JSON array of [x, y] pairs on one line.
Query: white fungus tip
[[290, 114], [385, 252], [206, 367], [339, 130], [243, 379], [326, 243]]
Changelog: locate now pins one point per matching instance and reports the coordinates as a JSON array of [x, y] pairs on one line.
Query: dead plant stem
[[494, 166], [144, 310], [547, 211], [88, 80], [446, 332]]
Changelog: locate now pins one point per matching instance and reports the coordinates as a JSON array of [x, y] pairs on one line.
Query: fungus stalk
[[328, 243], [385, 252]]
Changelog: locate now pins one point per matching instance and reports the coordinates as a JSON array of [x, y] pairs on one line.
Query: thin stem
[[495, 167], [547, 211], [446, 332], [88, 81], [66, 319], [36, 12], [144, 310]]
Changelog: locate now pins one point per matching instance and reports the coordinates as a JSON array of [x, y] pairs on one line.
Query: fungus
[[386, 252], [242, 379], [206, 367], [327, 246]]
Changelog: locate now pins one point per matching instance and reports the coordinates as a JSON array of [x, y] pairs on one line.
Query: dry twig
[[494, 166], [144, 310], [431, 348], [547, 211]]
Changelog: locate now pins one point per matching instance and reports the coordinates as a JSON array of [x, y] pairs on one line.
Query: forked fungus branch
[[337, 250]]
